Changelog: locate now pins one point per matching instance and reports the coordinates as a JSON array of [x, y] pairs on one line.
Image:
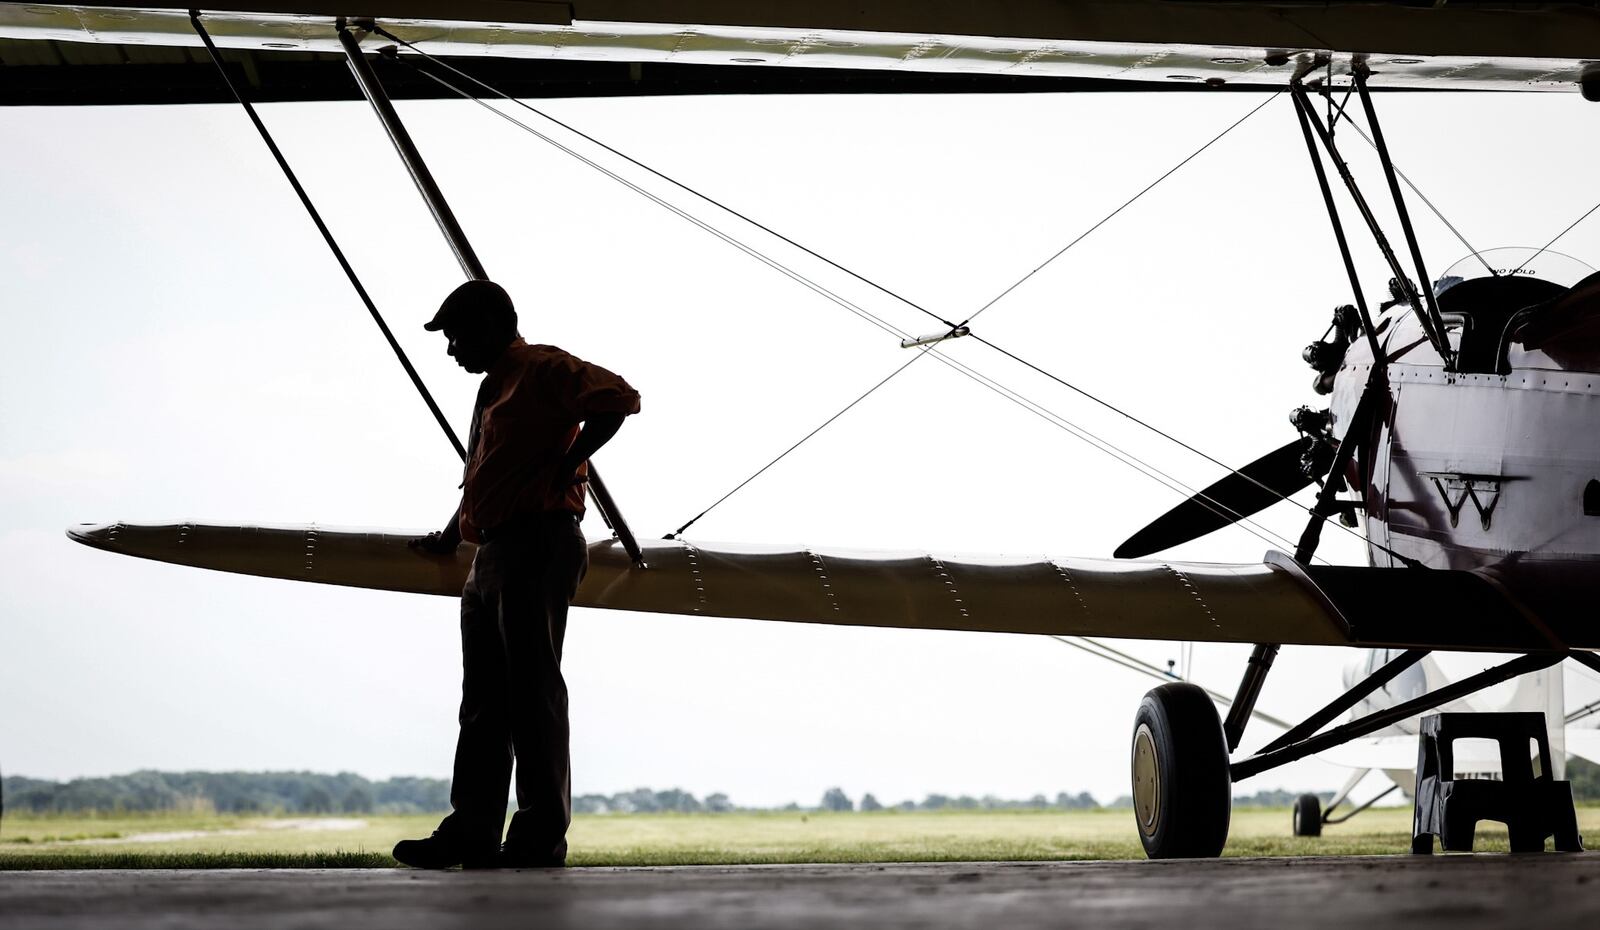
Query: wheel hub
[[1146, 780]]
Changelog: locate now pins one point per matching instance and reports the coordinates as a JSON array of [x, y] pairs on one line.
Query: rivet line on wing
[[1071, 585], [822, 575], [694, 574], [1194, 593], [950, 583]]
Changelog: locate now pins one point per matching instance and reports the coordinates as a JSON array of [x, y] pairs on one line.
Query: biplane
[[1456, 437]]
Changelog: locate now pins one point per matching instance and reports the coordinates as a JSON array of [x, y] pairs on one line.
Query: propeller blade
[[1233, 498]]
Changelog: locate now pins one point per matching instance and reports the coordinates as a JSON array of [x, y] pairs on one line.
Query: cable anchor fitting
[[935, 338]]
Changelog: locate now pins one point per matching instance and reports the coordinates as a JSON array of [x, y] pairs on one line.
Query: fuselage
[[1493, 467]]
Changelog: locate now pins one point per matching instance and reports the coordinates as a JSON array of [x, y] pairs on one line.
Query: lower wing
[[1275, 601]]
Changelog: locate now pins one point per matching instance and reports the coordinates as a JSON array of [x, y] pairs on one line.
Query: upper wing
[[127, 52], [1273, 602]]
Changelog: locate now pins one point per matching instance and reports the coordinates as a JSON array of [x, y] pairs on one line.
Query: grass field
[[213, 841]]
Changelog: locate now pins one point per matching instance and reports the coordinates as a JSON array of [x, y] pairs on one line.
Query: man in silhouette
[[540, 414]]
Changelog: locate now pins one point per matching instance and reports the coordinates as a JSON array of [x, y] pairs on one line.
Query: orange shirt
[[529, 408]]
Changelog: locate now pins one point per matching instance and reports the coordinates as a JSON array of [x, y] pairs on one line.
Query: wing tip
[[96, 535]]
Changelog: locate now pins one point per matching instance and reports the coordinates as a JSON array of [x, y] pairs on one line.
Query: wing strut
[[457, 239], [1377, 720], [327, 236], [1423, 280], [1261, 659], [1349, 699], [1427, 314]]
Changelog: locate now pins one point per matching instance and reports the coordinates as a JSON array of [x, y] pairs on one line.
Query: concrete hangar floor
[[1457, 891]]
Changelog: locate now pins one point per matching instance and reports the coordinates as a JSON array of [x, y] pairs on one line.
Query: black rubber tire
[[1183, 793], [1308, 815]]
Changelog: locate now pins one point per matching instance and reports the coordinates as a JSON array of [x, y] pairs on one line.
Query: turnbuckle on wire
[[935, 338]]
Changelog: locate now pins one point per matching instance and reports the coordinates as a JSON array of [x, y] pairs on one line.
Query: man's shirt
[[529, 408]]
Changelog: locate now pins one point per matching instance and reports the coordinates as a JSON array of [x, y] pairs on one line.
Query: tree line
[[1585, 778], [676, 800], [230, 792], [348, 793]]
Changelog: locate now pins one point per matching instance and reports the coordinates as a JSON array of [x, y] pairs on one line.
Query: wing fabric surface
[[1150, 600], [1541, 46], [1155, 600]]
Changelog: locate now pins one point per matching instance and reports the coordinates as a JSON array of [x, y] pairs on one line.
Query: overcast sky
[[180, 345]]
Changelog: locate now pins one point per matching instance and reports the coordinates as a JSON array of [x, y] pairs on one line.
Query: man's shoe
[[511, 857], [440, 852]]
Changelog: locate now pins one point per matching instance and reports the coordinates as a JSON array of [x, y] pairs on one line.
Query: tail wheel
[[1308, 815], [1182, 792]]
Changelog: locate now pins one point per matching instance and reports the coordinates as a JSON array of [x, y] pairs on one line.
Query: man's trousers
[[513, 698]]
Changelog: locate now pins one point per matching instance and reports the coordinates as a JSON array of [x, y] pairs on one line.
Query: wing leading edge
[[1268, 602]]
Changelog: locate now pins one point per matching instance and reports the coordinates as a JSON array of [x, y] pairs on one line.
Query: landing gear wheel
[[1182, 792], [1308, 815]]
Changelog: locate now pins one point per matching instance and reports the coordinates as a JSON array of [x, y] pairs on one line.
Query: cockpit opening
[[1485, 297]]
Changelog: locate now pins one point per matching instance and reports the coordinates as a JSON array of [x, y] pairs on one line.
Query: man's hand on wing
[[444, 542], [435, 544]]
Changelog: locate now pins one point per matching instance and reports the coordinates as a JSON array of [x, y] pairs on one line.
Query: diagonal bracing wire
[[1015, 397], [1216, 507], [1127, 203], [785, 453], [1163, 434], [1547, 245], [1044, 413], [769, 230], [1127, 458], [1100, 650], [327, 235], [1111, 407], [641, 165], [1451, 226], [1476, 253], [683, 214]]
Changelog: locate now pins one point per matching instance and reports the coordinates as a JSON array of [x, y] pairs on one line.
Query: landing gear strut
[[1182, 794]]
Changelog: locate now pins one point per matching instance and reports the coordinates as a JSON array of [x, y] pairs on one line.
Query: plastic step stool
[[1532, 804]]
